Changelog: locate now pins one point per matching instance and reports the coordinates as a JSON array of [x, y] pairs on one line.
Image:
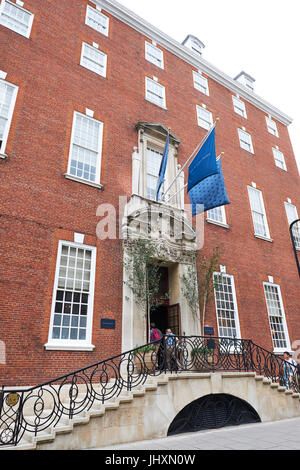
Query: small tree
[[198, 287], [207, 283], [144, 274]]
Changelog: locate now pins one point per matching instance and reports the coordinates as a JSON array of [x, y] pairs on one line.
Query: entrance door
[[174, 319]]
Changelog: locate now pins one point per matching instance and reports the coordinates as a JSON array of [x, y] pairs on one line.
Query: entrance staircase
[[126, 398]]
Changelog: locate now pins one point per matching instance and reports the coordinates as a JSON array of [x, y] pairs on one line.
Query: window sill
[[261, 237], [79, 180], [69, 347], [220, 224], [155, 104], [279, 352], [248, 151], [154, 63], [3, 156]]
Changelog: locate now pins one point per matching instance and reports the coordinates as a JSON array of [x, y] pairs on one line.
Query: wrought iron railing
[[39, 408]]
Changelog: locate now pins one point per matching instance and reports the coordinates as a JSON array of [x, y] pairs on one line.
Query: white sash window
[[154, 55], [272, 127], [239, 106], [155, 92], [279, 159], [8, 94], [154, 158], [258, 213], [73, 296], [205, 118], [201, 83], [245, 141], [292, 215], [97, 20], [226, 306], [86, 146], [16, 18], [93, 59], [277, 319]]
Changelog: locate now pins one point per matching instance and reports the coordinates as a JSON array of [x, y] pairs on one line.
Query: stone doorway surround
[[175, 240]]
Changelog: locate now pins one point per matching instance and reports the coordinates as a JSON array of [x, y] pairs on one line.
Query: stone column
[[136, 167]]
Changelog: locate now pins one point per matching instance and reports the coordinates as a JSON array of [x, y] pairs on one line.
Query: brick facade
[[39, 206]]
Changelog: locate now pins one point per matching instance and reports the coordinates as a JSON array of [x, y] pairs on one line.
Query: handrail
[[41, 407]]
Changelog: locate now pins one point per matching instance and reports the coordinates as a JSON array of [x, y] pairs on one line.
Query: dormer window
[[246, 80], [194, 44]]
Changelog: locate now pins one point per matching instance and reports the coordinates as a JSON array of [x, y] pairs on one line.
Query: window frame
[[236, 311], [241, 131], [223, 223], [199, 88], [296, 226], [68, 344], [151, 45], [266, 225], [235, 107], [284, 322], [99, 156], [29, 28], [147, 80], [156, 148], [84, 45], [89, 7], [209, 123], [275, 130], [10, 115], [275, 150]]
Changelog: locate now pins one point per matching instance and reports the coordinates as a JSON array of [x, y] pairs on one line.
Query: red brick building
[[87, 93]]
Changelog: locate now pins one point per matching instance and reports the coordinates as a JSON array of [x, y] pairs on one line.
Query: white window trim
[[149, 45], [241, 131], [268, 121], [85, 44], [234, 99], [275, 150], [286, 204], [9, 119], [209, 113], [195, 74], [258, 235], [68, 175], [148, 79], [105, 33], [236, 312], [287, 337], [27, 35], [73, 345], [216, 222]]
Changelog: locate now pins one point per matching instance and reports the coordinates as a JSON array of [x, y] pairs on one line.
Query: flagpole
[[168, 136], [183, 187], [192, 155]]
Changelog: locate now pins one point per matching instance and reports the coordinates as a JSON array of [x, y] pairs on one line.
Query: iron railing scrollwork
[[39, 408]]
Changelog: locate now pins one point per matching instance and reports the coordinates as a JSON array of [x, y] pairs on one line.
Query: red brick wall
[[39, 206]]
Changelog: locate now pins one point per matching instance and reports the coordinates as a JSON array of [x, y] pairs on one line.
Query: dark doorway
[[159, 316], [164, 315], [213, 412]]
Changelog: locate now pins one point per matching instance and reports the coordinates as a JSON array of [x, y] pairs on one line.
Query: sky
[[261, 37]]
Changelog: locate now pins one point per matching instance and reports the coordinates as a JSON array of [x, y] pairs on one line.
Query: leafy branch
[[144, 274]]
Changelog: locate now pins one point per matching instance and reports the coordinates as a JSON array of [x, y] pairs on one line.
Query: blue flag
[[204, 164], [210, 192], [163, 167]]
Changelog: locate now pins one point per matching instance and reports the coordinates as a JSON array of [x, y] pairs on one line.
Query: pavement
[[279, 435]]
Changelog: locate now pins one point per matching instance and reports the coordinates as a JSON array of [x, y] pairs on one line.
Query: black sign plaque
[[108, 324]]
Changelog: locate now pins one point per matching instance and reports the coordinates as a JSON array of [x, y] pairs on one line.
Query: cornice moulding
[[139, 24]]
